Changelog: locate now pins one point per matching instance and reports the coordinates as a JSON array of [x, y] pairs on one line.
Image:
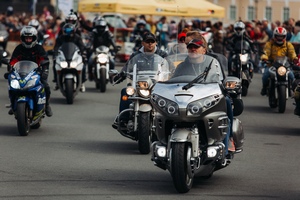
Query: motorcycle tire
[[281, 98], [181, 168], [23, 120], [102, 80], [144, 132], [69, 84], [244, 90]]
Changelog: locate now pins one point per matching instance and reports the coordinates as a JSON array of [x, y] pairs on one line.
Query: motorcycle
[[242, 67], [3, 42], [27, 95], [142, 76], [279, 87], [101, 69], [190, 123], [69, 65]]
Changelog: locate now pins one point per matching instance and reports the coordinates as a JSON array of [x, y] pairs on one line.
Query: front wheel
[[144, 131], [102, 80], [281, 98], [181, 170], [69, 87], [23, 120]]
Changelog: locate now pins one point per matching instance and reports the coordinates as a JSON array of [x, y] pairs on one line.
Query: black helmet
[[69, 30], [28, 31]]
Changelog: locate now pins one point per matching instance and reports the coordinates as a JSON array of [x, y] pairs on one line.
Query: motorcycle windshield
[[191, 66], [282, 61], [23, 68], [102, 49], [148, 65], [68, 48], [242, 46]]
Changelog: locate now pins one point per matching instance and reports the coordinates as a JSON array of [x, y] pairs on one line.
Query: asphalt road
[[76, 154]]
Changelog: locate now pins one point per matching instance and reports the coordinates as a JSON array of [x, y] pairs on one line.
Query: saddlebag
[[238, 134]]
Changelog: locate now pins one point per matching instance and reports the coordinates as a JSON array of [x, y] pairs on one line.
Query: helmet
[[35, 23], [28, 31], [239, 28], [141, 22], [100, 24], [72, 19], [279, 35], [69, 30]]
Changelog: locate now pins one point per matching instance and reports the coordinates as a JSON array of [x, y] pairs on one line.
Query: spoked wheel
[[23, 120], [144, 132], [181, 169]]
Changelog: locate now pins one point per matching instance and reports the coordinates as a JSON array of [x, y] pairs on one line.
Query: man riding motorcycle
[[149, 45], [276, 47], [30, 50], [239, 34], [69, 35], [36, 24], [101, 36]]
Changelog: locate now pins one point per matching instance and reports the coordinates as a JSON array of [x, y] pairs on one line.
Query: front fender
[[186, 135], [145, 108], [25, 99]]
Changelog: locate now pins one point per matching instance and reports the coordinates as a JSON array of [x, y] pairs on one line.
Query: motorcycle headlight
[[4, 54], [244, 58], [102, 58], [73, 64], [15, 84], [63, 64], [281, 71], [144, 93], [130, 90], [166, 105], [197, 107], [1, 38]]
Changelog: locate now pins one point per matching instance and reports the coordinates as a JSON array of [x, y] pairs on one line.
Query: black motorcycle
[[279, 87], [241, 66]]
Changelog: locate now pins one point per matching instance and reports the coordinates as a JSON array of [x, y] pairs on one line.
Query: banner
[[65, 6]]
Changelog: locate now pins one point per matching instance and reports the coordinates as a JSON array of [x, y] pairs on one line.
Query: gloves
[[120, 77]]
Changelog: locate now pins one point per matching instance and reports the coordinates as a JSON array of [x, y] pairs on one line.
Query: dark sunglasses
[[150, 41]]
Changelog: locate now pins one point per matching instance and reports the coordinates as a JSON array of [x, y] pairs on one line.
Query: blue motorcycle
[[27, 96]]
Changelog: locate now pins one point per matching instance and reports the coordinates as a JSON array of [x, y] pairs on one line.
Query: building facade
[[248, 10]]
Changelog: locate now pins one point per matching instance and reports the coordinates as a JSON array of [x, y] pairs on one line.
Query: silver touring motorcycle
[[191, 122]]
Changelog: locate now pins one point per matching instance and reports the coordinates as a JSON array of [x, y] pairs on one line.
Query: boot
[[263, 91], [48, 109]]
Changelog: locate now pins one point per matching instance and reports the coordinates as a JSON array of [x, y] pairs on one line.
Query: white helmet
[[35, 23], [72, 19], [279, 35], [28, 31], [239, 28]]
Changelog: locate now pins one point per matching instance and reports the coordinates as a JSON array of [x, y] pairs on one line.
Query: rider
[[101, 36], [149, 45], [69, 35], [36, 24], [239, 35], [196, 44], [277, 46], [30, 50], [137, 34]]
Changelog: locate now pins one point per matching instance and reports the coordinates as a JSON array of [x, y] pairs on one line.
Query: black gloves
[[120, 77]]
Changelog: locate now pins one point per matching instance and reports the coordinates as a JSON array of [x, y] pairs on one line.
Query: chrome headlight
[[197, 107], [130, 90], [281, 71], [15, 84], [244, 58], [144, 93], [166, 105], [102, 58], [63, 64]]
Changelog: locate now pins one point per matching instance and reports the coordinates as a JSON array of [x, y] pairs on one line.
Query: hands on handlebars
[[120, 77]]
